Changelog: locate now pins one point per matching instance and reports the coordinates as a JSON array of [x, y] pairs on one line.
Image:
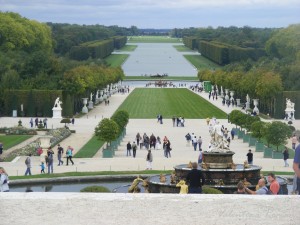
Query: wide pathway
[[181, 153]]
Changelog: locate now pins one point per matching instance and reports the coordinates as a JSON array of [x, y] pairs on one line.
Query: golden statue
[[246, 183], [233, 166], [135, 184], [162, 178], [221, 182], [190, 165], [246, 165], [184, 189], [204, 166]]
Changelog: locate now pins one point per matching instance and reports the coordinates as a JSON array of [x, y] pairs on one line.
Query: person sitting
[[262, 188], [240, 188]]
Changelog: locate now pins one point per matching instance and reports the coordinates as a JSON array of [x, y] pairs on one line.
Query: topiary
[[210, 190], [98, 189]]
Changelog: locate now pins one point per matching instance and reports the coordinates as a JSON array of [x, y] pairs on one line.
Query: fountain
[[218, 169]]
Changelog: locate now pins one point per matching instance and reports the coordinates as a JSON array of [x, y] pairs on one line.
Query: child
[[42, 167]]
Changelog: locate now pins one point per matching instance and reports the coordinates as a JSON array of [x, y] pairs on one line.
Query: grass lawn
[[145, 172], [90, 148], [146, 103], [9, 141], [115, 60], [201, 63], [153, 39], [182, 48], [163, 78]]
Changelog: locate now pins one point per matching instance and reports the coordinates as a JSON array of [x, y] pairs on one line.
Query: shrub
[[98, 189], [107, 130], [210, 190], [258, 129], [277, 133]]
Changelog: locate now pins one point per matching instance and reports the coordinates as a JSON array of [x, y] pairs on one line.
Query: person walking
[[232, 132], [250, 157], [60, 152], [1, 148], [69, 154], [286, 157], [138, 138], [134, 146], [42, 167], [4, 180], [31, 123], [194, 141], [128, 147], [200, 158], [50, 154], [149, 160], [195, 179], [28, 165], [200, 143]]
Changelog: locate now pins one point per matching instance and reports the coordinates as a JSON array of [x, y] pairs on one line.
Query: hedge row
[[35, 102], [97, 49], [222, 53]]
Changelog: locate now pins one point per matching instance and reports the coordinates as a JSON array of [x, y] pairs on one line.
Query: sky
[[160, 13]]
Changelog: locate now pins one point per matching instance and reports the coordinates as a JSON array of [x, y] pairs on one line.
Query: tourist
[[36, 122], [194, 142], [138, 138], [149, 160], [199, 141], [42, 167], [240, 188], [274, 185], [195, 179], [262, 190], [296, 168], [200, 158], [134, 149], [182, 121], [45, 122], [69, 154], [188, 139], [173, 120], [232, 134], [128, 147], [28, 165], [50, 154], [152, 141], [73, 120], [167, 147], [294, 141], [60, 152], [158, 143], [4, 180], [1, 148], [286, 157], [250, 157], [31, 123]]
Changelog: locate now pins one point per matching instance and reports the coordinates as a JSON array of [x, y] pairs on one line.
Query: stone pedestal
[[45, 143], [247, 105], [57, 112], [91, 105], [290, 114], [84, 108], [255, 103], [238, 102], [226, 95]]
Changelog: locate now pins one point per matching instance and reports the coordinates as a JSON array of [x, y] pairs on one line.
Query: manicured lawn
[[163, 78], [90, 148], [115, 60], [182, 48], [145, 172], [153, 39], [201, 63], [146, 103], [9, 141]]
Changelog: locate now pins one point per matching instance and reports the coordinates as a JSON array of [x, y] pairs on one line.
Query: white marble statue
[[91, 96], [218, 142], [57, 103], [289, 104]]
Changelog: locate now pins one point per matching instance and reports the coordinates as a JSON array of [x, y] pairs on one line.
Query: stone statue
[[247, 98], [134, 184], [246, 165], [57, 103], [91, 96], [289, 104], [218, 142], [173, 178]]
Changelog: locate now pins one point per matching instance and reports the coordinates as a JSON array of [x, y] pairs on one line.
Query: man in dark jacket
[[195, 180]]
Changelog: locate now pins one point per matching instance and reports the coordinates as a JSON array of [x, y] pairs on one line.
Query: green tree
[[107, 130], [258, 129], [121, 117], [277, 133]]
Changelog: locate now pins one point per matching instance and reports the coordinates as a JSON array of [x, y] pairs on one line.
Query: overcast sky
[[160, 13]]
